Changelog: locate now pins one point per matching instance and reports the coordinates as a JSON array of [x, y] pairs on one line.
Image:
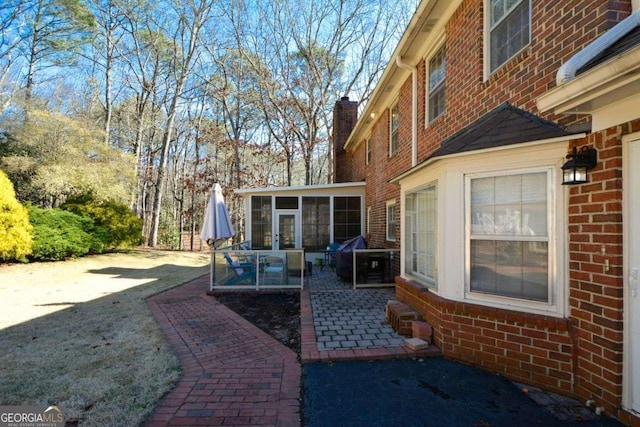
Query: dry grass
[[96, 352]]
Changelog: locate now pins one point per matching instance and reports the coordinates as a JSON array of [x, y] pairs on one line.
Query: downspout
[[568, 70], [414, 107]]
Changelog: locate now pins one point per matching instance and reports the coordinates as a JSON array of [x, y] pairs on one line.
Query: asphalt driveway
[[428, 392]]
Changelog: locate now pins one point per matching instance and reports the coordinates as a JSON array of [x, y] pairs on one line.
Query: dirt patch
[[276, 313]]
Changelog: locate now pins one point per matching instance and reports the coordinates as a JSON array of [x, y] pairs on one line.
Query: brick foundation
[[533, 349]]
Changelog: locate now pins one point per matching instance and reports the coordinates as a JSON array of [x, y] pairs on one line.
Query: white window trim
[[428, 59], [486, 45], [395, 104], [387, 223], [451, 233]]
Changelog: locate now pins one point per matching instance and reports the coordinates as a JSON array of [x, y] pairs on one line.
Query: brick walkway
[[233, 373], [236, 375]]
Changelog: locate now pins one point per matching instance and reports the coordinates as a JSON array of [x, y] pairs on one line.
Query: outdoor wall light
[[574, 171]]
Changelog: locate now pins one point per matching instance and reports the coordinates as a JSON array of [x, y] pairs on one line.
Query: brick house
[[464, 148]]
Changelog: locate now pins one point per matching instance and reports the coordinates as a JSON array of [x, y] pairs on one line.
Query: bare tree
[[187, 42], [109, 20], [316, 52]]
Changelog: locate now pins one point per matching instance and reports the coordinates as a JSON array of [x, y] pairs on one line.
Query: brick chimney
[[345, 115]]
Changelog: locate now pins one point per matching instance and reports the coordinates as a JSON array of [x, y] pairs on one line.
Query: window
[[420, 234], [347, 218], [436, 84], [509, 29], [509, 236], [393, 129], [391, 220], [261, 222], [286, 202], [315, 223], [368, 150]]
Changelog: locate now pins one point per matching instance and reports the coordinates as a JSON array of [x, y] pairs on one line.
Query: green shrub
[[115, 224], [60, 234], [15, 229]]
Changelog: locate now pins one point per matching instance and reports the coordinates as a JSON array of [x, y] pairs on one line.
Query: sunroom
[[300, 225]]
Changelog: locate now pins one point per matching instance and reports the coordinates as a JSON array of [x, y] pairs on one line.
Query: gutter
[[567, 71], [414, 107]]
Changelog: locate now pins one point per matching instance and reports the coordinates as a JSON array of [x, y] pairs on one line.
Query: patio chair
[[273, 268], [240, 271], [332, 248]]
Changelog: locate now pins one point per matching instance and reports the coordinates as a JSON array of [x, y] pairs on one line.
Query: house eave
[[606, 84], [426, 24], [300, 188]]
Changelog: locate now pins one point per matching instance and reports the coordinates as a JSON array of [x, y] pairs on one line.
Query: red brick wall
[[581, 355], [595, 292], [559, 30]]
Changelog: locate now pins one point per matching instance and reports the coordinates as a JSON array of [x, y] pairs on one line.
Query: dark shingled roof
[[625, 43], [505, 125]]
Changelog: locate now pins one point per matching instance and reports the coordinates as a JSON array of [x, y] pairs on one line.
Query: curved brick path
[[233, 373]]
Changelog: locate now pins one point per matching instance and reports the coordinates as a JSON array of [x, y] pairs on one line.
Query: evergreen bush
[[59, 234], [15, 229], [115, 224]]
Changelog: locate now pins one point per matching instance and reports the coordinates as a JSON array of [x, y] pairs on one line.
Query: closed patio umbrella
[[217, 227]]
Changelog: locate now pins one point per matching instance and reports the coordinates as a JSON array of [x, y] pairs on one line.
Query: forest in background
[[150, 103]]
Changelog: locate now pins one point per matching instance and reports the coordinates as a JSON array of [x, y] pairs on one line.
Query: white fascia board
[[302, 188], [579, 94]]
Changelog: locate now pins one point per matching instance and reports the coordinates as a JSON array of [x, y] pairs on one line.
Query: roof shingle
[[505, 125]]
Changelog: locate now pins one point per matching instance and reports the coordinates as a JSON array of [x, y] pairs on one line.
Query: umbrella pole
[[212, 270]]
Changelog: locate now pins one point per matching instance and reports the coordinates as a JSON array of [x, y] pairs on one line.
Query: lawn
[[78, 334]]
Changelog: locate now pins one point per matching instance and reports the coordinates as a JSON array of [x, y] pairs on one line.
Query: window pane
[[315, 223], [347, 218], [534, 187], [482, 191], [508, 189], [286, 203], [261, 222], [534, 219], [483, 266], [535, 270]]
